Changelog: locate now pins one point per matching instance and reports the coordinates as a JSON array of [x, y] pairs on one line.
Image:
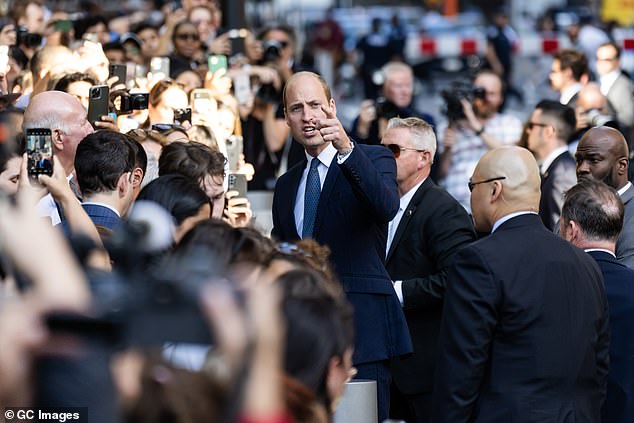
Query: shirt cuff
[[343, 157], [398, 287]]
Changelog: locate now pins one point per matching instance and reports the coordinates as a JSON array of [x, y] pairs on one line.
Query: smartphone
[[4, 58], [216, 62], [234, 146], [238, 182], [63, 26], [98, 103], [160, 65], [203, 103], [182, 115], [90, 37], [120, 70], [242, 88], [39, 149]]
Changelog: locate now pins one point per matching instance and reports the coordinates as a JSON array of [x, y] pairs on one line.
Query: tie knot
[[314, 163]]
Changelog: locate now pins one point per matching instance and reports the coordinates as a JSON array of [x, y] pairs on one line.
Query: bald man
[[64, 115], [524, 334], [602, 154]]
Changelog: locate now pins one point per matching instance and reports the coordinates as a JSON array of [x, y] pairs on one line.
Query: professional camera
[[453, 98], [386, 109], [597, 118], [27, 39], [272, 50], [125, 102]]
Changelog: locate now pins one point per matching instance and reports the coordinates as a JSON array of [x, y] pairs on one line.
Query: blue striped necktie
[[311, 198]]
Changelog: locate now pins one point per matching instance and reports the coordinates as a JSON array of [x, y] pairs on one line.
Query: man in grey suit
[[615, 85], [603, 154]]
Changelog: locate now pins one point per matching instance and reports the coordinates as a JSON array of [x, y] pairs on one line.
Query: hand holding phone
[[98, 103]]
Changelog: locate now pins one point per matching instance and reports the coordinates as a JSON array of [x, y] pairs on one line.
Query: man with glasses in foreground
[[549, 127], [429, 227], [524, 332]]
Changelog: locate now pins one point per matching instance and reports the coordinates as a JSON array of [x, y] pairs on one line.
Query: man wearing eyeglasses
[[524, 332], [549, 127], [429, 227]]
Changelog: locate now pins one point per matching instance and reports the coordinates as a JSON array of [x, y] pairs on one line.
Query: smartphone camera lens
[[96, 94]]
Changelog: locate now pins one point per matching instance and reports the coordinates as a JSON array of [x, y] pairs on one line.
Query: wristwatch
[[347, 152]]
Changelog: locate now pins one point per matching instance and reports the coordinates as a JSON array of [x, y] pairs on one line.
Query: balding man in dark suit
[[592, 218], [524, 333]]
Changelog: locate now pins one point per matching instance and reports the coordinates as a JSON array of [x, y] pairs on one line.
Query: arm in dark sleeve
[[442, 241], [372, 174], [468, 323]]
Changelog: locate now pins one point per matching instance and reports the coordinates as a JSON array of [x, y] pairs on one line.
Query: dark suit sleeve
[[447, 230], [603, 350], [372, 175], [468, 322]]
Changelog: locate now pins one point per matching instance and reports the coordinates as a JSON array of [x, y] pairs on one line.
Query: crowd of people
[[478, 268]]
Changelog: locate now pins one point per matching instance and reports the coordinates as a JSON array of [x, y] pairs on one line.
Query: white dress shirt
[[625, 188], [545, 164], [393, 226], [568, 93], [608, 80]]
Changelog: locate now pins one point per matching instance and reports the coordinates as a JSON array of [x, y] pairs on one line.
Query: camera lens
[[96, 94]]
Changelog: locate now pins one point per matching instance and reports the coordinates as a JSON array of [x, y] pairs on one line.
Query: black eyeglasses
[[531, 125], [396, 149], [473, 184], [185, 37]]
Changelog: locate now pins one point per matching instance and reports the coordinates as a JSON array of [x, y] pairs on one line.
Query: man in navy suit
[[343, 196], [592, 218], [524, 332], [104, 165]]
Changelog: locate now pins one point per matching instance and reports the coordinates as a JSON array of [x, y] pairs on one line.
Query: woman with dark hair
[[182, 198], [188, 51], [78, 85], [165, 96], [319, 345]]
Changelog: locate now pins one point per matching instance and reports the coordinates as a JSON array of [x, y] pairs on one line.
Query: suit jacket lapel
[[628, 194], [289, 197], [407, 216], [326, 191]]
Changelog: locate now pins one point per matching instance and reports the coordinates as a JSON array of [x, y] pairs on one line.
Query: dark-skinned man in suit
[[524, 332], [428, 229], [592, 218], [343, 195]]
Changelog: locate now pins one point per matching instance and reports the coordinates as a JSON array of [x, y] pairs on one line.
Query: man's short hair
[[560, 116], [63, 82], [42, 58], [101, 158], [191, 159], [423, 136], [396, 67], [597, 209], [574, 60], [321, 80], [614, 45]]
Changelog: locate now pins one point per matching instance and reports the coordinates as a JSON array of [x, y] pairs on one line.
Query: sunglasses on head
[[396, 149]]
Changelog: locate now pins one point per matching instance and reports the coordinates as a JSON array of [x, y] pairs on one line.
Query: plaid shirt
[[469, 148]]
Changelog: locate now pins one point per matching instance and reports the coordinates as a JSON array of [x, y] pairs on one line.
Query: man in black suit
[[549, 128], [343, 195], [428, 229], [524, 332], [592, 219], [602, 154]]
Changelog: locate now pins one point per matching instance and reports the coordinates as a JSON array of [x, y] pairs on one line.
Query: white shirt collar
[[602, 250], [325, 157], [509, 217], [407, 197], [543, 167], [625, 188], [108, 206], [608, 80], [569, 92]]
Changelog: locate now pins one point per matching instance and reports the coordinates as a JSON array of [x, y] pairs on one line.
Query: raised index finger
[[330, 113]]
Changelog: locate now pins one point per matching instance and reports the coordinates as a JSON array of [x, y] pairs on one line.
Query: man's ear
[[333, 106], [137, 177], [496, 191], [623, 165], [58, 142], [124, 184]]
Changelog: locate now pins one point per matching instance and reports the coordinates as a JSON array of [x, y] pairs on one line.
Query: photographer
[[592, 109], [398, 90], [470, 134], [264, 128]]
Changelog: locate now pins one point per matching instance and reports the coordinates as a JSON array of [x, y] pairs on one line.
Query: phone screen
[[39, 148], [242, 88], [4, 58], [216, 62], [160, 65], [234, 146]]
